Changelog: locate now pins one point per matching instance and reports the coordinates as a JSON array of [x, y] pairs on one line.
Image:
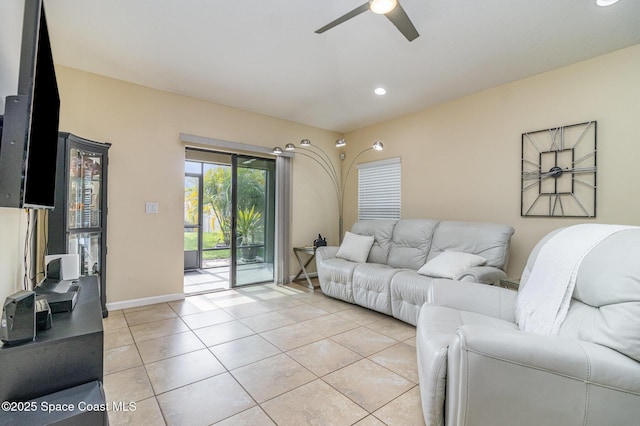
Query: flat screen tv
[[29, 128]]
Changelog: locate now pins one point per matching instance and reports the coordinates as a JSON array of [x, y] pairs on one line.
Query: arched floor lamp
[[321, 158]]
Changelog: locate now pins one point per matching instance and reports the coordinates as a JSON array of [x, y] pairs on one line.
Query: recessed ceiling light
[[606, 2], [380, 91]]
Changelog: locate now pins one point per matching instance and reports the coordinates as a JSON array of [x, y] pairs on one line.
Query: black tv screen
[[29, 137]]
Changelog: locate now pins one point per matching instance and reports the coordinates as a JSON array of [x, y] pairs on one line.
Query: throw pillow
[[355, 247], [449, 264]]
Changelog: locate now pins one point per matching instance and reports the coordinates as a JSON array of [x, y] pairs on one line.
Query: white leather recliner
[[476, 367]]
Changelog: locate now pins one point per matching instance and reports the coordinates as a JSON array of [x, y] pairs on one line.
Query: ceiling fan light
[[340, 143], [382, 7]]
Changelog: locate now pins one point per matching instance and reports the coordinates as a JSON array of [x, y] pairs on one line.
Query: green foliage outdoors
[[216, 200], [209, 240], [249, 222]]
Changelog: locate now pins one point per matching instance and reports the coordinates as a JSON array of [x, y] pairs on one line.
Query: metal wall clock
[[559, 172]]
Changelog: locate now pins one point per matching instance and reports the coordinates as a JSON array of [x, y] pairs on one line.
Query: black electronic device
[[29, 134], [18, 324], [61, 302], [60, 295], [319, 242], [54, 269], [43, 314]]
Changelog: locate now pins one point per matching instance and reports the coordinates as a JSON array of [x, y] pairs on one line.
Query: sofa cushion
[[488, 240], [410, 243], [355, 247], [381, 231], [605, 308], [335, 276], [450, 264], [409, 291], [372, 286], [606, 305]]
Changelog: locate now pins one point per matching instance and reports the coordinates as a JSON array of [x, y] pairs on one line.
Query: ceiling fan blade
[[401, 20], [355, 12]]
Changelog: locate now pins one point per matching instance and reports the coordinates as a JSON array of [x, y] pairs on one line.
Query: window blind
[[379, 189]]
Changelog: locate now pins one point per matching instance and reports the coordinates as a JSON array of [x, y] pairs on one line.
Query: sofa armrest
[[326, 252], [481, 274], [482, 299], [497, 375]]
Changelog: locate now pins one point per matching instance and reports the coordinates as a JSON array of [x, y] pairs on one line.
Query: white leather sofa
[[389, 281], [476, 367]]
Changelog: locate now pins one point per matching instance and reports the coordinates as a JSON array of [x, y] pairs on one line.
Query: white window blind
[[379, 189]]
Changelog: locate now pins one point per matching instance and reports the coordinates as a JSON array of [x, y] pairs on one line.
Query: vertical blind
[[379, 189]]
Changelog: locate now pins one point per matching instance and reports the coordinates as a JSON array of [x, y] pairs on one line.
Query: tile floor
[[206, 280], [260, 355], [217, 278]]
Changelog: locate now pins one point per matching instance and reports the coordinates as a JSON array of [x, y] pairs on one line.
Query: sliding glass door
[[229, 217], [254, 220], [192, 221]]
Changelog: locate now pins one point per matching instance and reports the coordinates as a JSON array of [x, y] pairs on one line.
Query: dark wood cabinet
[[68, 354], [78, 223]]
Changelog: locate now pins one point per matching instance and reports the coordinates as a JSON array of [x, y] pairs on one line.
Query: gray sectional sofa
[[389, 281]]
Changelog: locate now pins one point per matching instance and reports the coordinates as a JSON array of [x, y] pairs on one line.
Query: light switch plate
[[151, 208]]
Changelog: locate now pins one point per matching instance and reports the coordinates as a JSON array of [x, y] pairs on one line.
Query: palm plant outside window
[[216, 207]]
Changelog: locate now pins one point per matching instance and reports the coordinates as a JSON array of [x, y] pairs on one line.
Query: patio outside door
[[254, 220], [229, 217], [192, 221]]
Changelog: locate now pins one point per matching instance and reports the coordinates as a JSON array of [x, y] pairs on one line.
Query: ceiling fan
[[390, 8]]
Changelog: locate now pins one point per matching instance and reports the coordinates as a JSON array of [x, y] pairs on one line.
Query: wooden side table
[[510, 283], [310, 252]]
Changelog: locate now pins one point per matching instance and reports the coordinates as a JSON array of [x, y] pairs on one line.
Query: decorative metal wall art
[[559, 171]]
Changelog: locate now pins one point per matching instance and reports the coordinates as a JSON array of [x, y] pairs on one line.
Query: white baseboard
[[301, 277], [134, 303]]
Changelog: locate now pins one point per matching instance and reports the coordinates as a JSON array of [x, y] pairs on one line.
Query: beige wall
[[13, 230], [146, 163], [12, 221], [461, 159]]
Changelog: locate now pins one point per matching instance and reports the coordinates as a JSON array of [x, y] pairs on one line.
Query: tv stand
[[68, 354]]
